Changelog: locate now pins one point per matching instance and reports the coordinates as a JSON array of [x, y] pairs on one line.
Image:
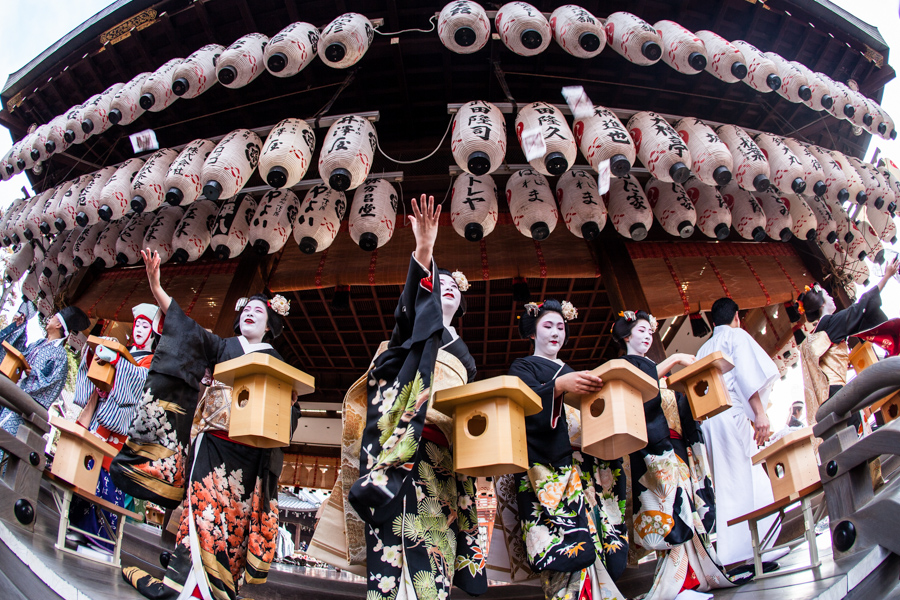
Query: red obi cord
[[674, 434], [435, 435]]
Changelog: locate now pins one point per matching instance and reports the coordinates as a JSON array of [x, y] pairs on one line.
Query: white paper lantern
[[156, 91], [478, 140], [820, 96], [292, 49], [148, 189], [473, 206], [274, 219], [860, 110], [660, 147], [580, 204], [50, 263], [713, 214], [725, 59], [83, 250], [803, 220], [192, 235], [31, 222], [836, 185], [842, 104], [68, 205], [39, 143], [25, 229], [577, 31], [785, 169], [89, 197], [531, 204], [633, 38], [873, 119], [6, 169], [463, 27], [857, 248], [874, 247], [159, 234], [762, 74], [66, 256], [230, 164], [126, 104], [319, 219], [30, 286], [603, 137], [778, 216], [74, 132], [558, 138], [747, 215], [883, 223], [873, 184], [813, 174], [47, 226], [183, 181], [522, 28], [9, 219], [885, 190], [892, 182], [711, 160], [682, 50], [231, 231], [841, 220], [826, 226], [890, 128], [105, 248], [45, 307], [197, 73], [95, 114], [858, 271], [855, 185], [671, 207], [115, 199], [373, 214], [19, 263], [131, 239], [287, 153], [243, 61], [25, 160], [347, 152], [345, 40], [794, 85], [56, 136]]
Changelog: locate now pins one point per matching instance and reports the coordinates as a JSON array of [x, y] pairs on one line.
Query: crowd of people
[[399, 514]]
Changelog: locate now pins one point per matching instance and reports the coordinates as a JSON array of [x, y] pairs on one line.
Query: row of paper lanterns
[[345, 40]]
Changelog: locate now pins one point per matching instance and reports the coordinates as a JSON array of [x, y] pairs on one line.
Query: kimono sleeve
[[49, 368], [119, 408], [861, 316], [15, 336], [418, 291], [185, 350], [754, 371], [83, 386]]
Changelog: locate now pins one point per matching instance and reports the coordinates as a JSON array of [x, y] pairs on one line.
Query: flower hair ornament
[[630, 315], [461, 282], [807, 289], [569, 311], [279, 304]]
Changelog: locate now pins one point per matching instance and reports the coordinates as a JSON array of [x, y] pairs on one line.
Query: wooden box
[[261, 398], [612, 420], [889, 407], [101, 373], [790, 463], [79, 455], [489, 424], [863, 356], [703, 384], [14, 363]]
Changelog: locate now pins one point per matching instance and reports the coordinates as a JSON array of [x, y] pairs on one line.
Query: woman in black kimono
[[229, 522], [571, 506], [673, 499], [421, 522]]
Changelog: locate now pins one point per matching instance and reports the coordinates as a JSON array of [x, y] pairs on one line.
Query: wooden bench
[[62, 495], [805, 496]]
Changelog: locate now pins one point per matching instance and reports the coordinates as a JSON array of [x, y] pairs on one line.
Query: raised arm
[[152, 260], [424, 222], [889, 272]]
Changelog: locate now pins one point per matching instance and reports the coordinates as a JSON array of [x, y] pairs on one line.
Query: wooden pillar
[[622, 284]]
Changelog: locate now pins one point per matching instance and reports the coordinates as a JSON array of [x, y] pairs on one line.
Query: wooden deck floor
[[31, 568]]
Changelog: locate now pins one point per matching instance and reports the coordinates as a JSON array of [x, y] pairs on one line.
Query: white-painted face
[[254, 319], [550, 335], [141, 331], [828, 308], [640, 339], [450, 297]]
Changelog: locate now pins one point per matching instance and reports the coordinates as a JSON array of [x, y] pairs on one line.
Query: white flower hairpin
[[569, 311], [461, 282]]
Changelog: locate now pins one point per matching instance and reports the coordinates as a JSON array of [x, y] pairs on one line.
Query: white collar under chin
[[248, 347]]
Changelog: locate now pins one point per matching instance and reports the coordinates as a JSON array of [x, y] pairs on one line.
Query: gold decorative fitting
[[123, 30], [875, 57]]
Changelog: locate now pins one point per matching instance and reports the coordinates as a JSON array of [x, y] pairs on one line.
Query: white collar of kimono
[[248, 347], [721, 329], [58, 341]]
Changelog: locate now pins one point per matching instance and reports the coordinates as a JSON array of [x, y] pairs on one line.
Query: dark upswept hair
[[723, 311], [622, 328], [461, 310], [528, 323], [812, 302], [274, 321]]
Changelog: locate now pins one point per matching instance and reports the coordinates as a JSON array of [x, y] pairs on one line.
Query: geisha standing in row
[[419, 517], [673, 498], [229, 519]]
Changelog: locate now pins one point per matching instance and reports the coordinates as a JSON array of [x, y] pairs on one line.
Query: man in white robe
[[734, 436]]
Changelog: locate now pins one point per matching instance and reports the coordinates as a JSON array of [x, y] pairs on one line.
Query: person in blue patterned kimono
[[570, 505], [421, 522], [16, 333], [114, 411], [49, 363], [673, 498]]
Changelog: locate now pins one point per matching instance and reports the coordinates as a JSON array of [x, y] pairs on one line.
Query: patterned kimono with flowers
[[570, 505], [229, 523], [673, 498], [421, 523]]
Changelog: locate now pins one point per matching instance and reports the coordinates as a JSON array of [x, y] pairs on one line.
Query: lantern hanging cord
[[431, 20], [418, 160]]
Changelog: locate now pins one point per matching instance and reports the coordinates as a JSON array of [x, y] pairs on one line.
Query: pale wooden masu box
[[790, 463], [75, 450], [862, 357], [101, 373], [261, 398], [14, 363], [489, 424], [612, 420], [703, 384]]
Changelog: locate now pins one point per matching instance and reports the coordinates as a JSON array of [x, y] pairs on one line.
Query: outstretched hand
[[152, 262], [578, 382], [425, 218]]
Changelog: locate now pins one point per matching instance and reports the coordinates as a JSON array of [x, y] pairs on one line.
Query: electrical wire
[[432, 153], [430, 20]]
